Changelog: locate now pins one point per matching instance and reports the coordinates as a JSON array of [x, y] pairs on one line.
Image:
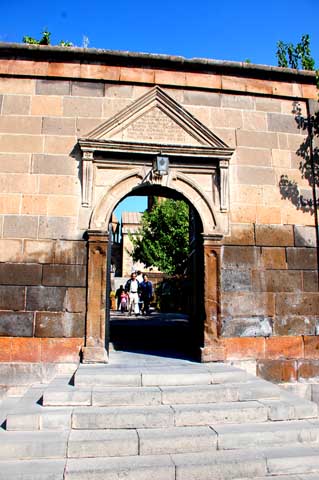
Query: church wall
[[269, 305]]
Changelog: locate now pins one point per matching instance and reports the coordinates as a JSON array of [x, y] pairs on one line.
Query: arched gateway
[[120, 158]]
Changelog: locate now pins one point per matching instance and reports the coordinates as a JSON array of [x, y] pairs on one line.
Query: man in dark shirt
[[146, 293]]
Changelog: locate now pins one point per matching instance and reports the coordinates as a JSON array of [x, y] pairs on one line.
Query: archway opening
[[173, 326]]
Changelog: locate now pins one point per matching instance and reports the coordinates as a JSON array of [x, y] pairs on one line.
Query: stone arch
[[133, 181]]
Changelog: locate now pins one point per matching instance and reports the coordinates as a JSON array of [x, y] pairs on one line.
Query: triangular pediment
[[156, 118]]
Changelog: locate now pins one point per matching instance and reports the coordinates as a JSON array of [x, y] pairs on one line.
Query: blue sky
[[230, 30]]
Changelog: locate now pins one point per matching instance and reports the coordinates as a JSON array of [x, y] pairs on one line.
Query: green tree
[[44, 40], [163, 239], [295, 56]]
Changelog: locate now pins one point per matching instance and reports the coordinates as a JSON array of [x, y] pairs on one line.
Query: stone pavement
[[144, 416]]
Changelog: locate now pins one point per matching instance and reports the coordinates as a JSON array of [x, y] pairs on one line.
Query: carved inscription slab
[[156, 127]]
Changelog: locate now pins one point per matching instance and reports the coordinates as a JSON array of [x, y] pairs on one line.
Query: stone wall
[[268, 281]]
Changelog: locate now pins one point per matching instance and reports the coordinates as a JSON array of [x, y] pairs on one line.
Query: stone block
[[277, 371], [237, 101], [18, 183], [209, 414], [268, 104], [18, 324], [34, 204], [157, 467], [240, 257], [110, 396], [58, 126], [245, 175], [236, 304], [253, 156], [203, 98], [82, 107], [57, 350], [55, 325], [175, 377], [69, 252], [20, 124], [25, 350], [308, 369], [16, 105], [278, 122], [10, 204], [58, 185], [276, 281], [254, 121], [20, 274], [233, 280], [295, 324], [281, 158], [241, 235], [310, 281], [17, 85], [305, 236], [176, 440], [58, 227], [38, 251], [238, 348], [287, 347], [247, 138], [45, 298], [54, 165], [94, 418], [75, 300], [253, 326], [10, 250], [66, 396], [273, 258], [311, 347], [102, 443], [173, 395], [274, 235], [267, 215], [11, 297], [61, 205], [119, 91], [14, 162], [52, 87], [64, 275], [47, 105], [221, 466], [86, 125], [297, 304], [18, 226], [5, 349], [56, 144], [87, 89], [33, 445]]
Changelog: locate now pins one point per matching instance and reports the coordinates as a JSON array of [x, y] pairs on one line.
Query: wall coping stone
[[137, 59]]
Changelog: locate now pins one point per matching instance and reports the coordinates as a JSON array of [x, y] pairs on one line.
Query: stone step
[[103, 443], [209, 414], [108, 396], [158, 467], [148, 441], [32, 445], [32, 470], [91, 418], [157, 376], [88, 418], [176, 440], [48, 419], [266, 434], [194, 466]]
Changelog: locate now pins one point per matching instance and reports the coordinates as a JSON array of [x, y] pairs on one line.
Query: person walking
[[146, 293], [132, 287]]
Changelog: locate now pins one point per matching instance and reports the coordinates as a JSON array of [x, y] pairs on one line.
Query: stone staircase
[[160, 419]]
